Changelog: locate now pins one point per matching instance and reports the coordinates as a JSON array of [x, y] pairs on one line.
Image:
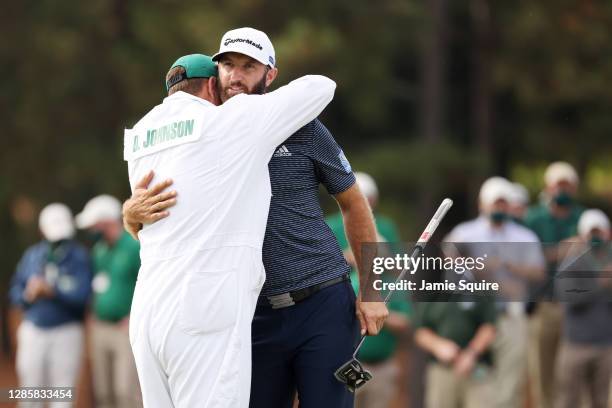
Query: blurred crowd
[[62, 288], [529, 346], [535, 349]]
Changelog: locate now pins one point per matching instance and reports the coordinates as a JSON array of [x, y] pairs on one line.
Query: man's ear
[[213, 91], [271, 76]]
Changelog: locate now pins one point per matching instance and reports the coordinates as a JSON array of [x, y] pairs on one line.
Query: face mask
[[497, 217], [596, 242], [563, 199], [94, 236]]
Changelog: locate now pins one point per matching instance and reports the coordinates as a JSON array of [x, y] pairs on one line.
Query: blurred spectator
[[52, 284], [116, 263], [512, 265], [458, 335], [585, 356], [553, 221], [377, 352], [519, 202]]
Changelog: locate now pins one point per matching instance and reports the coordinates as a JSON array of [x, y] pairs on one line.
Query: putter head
[[353, 375]]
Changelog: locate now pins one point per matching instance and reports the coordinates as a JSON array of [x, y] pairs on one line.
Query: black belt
[[291, 298]]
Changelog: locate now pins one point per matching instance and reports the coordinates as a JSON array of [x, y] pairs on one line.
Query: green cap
[[196, 66]]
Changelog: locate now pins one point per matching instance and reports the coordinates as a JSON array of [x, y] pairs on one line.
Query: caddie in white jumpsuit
[[190, 325]]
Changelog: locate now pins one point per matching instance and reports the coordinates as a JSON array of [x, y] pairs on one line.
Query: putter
[[352, 372]]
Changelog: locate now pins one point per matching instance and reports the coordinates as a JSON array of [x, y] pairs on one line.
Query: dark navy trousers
[[298, 348]]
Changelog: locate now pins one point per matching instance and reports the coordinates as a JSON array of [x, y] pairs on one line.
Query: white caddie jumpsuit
[[190, 324]]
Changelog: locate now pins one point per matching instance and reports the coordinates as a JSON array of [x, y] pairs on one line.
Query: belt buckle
[[282, 300]]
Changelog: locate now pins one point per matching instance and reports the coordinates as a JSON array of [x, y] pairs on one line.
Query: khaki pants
[[48, 358], [583, 368], [380, 390], [445, 390], [510, 356], [545, 335], [115, 379]]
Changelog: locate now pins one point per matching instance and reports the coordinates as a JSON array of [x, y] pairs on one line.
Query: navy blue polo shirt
[[299, 249]]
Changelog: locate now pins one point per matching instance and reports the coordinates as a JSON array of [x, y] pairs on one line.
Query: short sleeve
[[276, 115], [331, 165], [422, 316], [488, 312]]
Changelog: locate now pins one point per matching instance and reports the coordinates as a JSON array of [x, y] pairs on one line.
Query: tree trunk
[[480, 72], [434, 64]]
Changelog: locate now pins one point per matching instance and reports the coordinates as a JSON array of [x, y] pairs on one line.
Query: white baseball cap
[[56, 223], [520, 195], [248, 41], [495, 188], [367, 185], [591, 219], [101, 208], [560, 171]]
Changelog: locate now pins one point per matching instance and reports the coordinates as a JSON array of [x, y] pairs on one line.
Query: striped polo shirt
[[299, 248]]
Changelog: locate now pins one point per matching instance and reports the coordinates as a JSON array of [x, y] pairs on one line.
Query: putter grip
[[447, 203], [434, 222]]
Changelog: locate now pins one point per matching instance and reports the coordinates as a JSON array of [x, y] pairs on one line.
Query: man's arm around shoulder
[[279, 114]]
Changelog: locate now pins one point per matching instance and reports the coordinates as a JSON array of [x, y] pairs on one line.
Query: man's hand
[[445, 351], [371, 316], [147, 205], [465, 363], [36, 288], [350, 258]]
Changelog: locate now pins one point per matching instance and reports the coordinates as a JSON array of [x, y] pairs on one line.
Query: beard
[[258, 89]]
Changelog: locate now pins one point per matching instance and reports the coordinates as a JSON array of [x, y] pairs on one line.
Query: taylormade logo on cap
[[244, 40], [248, 41]]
